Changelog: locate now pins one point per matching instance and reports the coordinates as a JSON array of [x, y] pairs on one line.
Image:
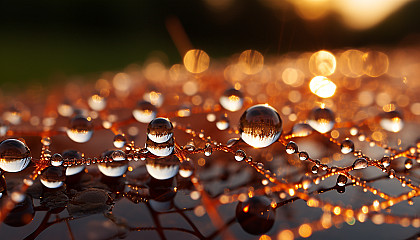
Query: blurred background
[[41, 41]]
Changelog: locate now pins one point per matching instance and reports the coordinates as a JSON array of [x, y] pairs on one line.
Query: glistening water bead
[[232, 100], [53, 177], [163, 168], [260, 126], [80, 129], [321, 119], [160, 149], [160, 130], [14, 155], [144, 112], [347, 146], [392, 121]]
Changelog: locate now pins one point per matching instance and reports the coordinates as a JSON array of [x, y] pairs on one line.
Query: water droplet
[[56, 160], [80, 129], [53, 177], [386, 161], [118, 155], [240, 155], [186, 168], [14, 155], [46, 141], [321, 119], [341, 180], [231, 142], [255, 215], [314, 169], [392, 121], [190, 146], [303, 156], [208, 150], [184, 111], [160, 149], [360, 163], [391, 173], [260, 126], [408, 163], [347, 146], [114, 168], [306, 182], [223, 123], [163, 168], [73, 155], [97, 102], [144, 112], [301, 130], [119, 141], [232, 100], [291, 147], [160, 130]]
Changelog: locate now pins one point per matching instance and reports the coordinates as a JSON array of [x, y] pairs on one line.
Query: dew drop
[[160, 130], [347, 146], [14, 155], [240, 155], [186, 168], [315, 169], [360, 163], [341, 180], [163, 168], [144, 112], [80, 129], [115, 168], [321, 119], [255, 215], [223, 123], [97, 102], [46, 141], [231, 142], [119, 141], [208, 150], [232, 100], [303, 156], [301, 130], [73, 155], [56, 160], [53, 177], [408, 163], [386, 161], [392, 121], [291, 147], [260, 126], [391, 173], [160, 149]]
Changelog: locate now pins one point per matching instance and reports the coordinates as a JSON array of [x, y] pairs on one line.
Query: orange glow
[[251, 62], [322, 63], [196, 61], [305, 230], [246, 209], [375, 63], [351, 63], [322, 87]]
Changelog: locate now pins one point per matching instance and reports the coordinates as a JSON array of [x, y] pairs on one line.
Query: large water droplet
[[291, 147], [14, 155], [260, 126], [97, 102], [232, 100], [341, 180], [119, 141], [301, 130], [321, 119], [160, 130], [73, 155], [392, 121], [56, 160], [160, 149], [347, 146], [53, 177], [360, 163], [117, 167], [240, 155], [80, 129], [223, 123], [163, 168], [256, 215], [144, 112], [186, 168]]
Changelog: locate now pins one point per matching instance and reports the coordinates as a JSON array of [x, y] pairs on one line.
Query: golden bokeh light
[[251, 62], [305, 230], [322, 63], [322, 87], [196, 61], [350, 63], [375, 63]]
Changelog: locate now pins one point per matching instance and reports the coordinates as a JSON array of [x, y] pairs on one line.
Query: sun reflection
[[322, 87]]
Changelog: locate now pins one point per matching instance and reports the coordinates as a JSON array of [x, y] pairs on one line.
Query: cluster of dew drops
[[260, 126]]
